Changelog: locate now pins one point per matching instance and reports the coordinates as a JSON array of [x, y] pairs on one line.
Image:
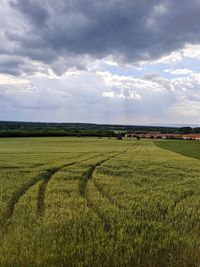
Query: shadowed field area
[[97, 202]]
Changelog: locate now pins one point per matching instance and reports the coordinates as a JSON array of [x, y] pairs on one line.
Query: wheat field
[[97, 202]]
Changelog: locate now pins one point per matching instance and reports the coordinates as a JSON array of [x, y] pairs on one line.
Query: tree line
[[37, 129]]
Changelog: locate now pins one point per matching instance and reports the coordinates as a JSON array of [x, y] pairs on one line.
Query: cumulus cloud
[[183, 71], [188, 51], [124, 93], [62, 33], [100, 97], [66, 59]]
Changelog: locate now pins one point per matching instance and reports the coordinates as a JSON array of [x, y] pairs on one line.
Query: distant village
[[158, 135]]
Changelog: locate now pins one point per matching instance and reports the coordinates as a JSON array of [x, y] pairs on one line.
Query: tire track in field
[[89, 174], [181, 198], [45, 177], [105, 195], [43, 187], [84, 183], [84, 194], [18, 194], [42, 190]]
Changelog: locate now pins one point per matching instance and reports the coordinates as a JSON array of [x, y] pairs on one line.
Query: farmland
[[186, 148], [98, 202]]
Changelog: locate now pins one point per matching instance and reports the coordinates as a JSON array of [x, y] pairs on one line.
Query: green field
[[184, 147], [98, 202]]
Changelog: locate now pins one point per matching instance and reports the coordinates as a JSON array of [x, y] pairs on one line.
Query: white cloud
[[12, 80], [171, 58], [108, 94], [115, 98], [122, 81], [189, 51], [123, 93], [185, 111], [184, 71]]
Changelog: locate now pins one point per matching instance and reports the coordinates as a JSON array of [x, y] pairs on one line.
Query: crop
[[97, 202], [190, 148]]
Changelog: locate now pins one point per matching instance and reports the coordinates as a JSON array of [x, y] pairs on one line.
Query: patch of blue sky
[[189, 63], [157, 68]]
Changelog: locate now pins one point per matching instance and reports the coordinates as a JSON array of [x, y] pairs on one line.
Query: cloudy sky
[[101, 61]]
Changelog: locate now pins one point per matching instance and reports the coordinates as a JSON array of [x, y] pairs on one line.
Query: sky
[[133, 62]]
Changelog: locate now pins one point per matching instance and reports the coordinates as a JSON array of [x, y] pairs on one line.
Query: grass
[[184, 147], [97, 202]]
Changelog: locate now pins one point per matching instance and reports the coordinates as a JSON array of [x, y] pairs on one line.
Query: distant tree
[[185, 130], [119, 136], [196, 130]]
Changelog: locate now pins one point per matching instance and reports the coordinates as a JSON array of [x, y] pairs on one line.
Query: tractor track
[[18, 194], [84, 194], [43, 186], [90, 176], [105, 195], [45, 178]]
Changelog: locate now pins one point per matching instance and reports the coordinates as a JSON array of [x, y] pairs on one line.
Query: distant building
[[158, 135], [195, 137]]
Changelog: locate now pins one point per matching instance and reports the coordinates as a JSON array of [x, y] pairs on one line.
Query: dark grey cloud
[[33, 10], [11, 65], [129, 30]]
